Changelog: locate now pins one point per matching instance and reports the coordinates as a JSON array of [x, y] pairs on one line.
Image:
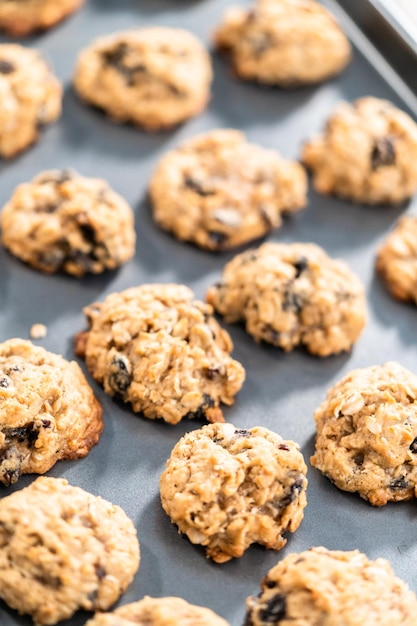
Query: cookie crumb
[[38, 331]]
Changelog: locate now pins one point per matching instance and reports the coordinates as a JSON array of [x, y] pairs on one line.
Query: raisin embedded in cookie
[[30, 97], [367, 153], [397, 259], [227, 488], [62, 221], [283, 42], [159, 349], [48, 411], [290, 295], [219, 191], [26, 16], [63, 549], [334, 588], [366, 438], [154, 77], [158, 612]]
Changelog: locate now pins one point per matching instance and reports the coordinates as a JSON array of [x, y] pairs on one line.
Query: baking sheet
[[281, 391]]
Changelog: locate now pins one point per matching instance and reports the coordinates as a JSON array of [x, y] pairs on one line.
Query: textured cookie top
[[367, 433], [158, 612], [334, 588], [159, 349], [397, 259], [63, 549], [227, 488], [48, 411], [283, 42], [30, 96], [62, 221], [290, 295], [154, 77], [367, 153], [201, 192], [25, 16]]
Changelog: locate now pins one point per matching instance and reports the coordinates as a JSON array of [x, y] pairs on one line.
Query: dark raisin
[[116, 58], [83, 260], [300, 266], [383, 153], [274, 611], [198, 186], [292, 494], [292, 301], [242, 432], [88, 232], [413, 446], [28, 433], [6, 67], [399, 483], [100, 571], [283, 446], [358, 459], [212, 373], [200, 413], [49, 580], [269, 584], [217, 237], [46, 423], [10, 465], [120, 374], [4, 382]]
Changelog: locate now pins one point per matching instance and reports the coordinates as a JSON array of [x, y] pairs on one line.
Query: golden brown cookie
[[396, 259], [157, 348], [322, 587], [30, 97], [367, 153], [290, 295], [153, 77], [367, 434], [63, 549], [227, 488], [158, 612], [283, 42], [62, 221], [219, 191], [26, 16], [48, 411]]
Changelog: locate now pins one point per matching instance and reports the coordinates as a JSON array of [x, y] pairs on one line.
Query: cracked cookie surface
[[219, 191], [153, 77], [30, 97], [26, 16], [48, 411], [397, 259], [367, 153], [283, 42], [62, 221], [167, 611], [227, 488], [334, 588], [63, 549], [290, 295], [157, 348], [366, 438]]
